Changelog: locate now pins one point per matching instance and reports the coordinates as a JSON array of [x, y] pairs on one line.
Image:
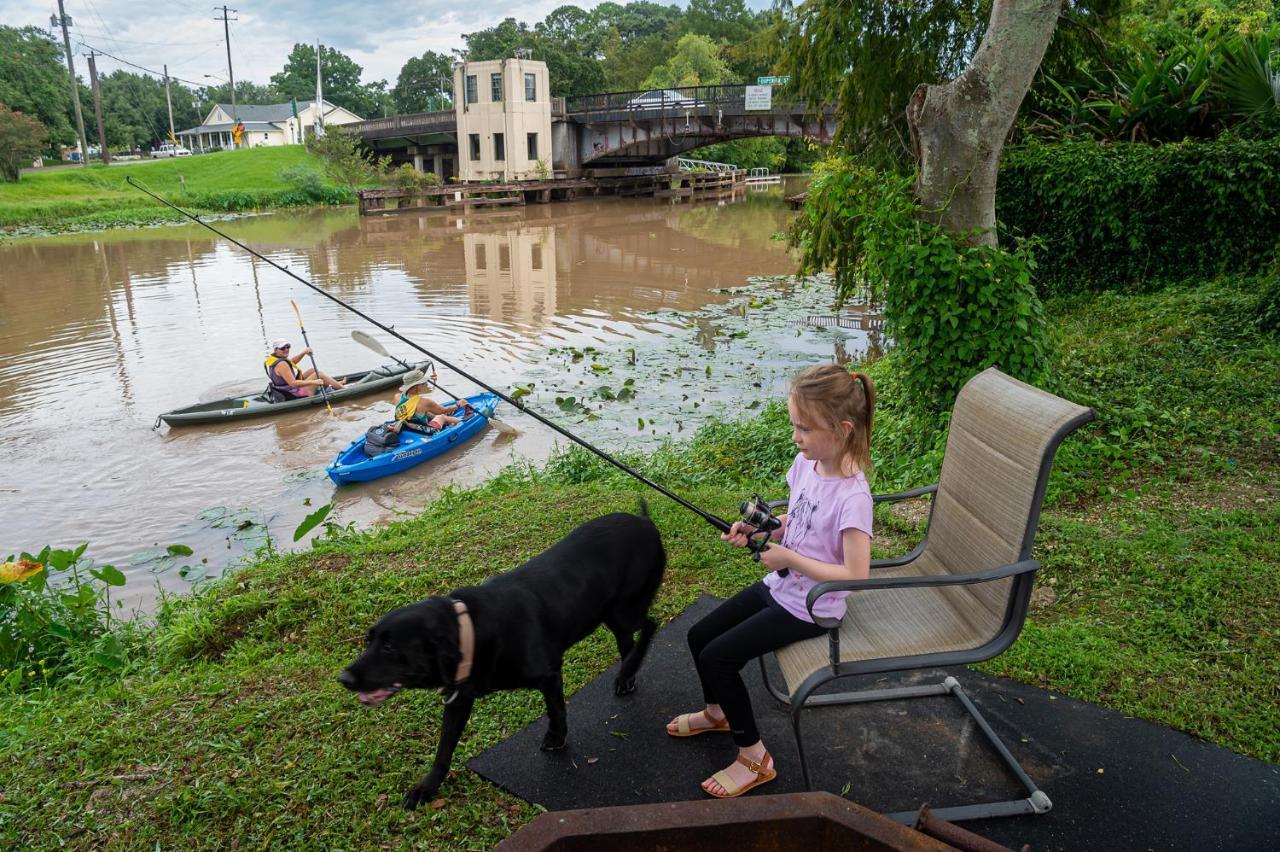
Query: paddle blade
[[370, 342], [504, 428]]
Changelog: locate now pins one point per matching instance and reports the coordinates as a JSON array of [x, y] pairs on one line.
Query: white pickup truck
[[169, 150]]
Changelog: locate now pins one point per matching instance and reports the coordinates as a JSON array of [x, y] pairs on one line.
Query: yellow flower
[[16, 572]]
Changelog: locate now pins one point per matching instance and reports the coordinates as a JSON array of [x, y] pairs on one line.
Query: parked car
[[663, 99], [169, 150]]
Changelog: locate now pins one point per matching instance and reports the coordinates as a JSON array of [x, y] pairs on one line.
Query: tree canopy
[[21, 139], [340, 75], [696, 62], [33, 80], [424, 84], [866, 57]]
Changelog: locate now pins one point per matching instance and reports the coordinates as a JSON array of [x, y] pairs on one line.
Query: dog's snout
[[347, 679]]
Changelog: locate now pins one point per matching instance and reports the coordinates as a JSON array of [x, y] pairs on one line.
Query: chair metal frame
[[1023, 572]]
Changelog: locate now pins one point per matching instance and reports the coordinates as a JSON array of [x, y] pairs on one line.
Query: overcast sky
[[378, 34]]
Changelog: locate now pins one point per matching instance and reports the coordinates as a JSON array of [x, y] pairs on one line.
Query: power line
[[140, 67]]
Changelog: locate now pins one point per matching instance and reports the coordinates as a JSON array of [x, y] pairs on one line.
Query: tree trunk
[[958, 128]]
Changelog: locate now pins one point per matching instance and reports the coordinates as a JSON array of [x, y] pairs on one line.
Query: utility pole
[[97, 110], [169, 102], [226, 34], [64, 21]]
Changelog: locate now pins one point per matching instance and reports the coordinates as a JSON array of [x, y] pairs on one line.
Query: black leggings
[[742, 628]]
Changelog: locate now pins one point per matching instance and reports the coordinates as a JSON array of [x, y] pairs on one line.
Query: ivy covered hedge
[[1120, 215]]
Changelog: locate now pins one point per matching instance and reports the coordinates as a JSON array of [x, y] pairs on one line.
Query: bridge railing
[[684, 164], [393, 124], [659, 101]]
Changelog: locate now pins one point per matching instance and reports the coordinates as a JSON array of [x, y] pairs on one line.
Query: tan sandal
[[731, 788], [684, 729]]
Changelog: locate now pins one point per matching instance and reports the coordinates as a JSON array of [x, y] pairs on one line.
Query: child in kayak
[[423, 413], [826, 535], [286, 377]]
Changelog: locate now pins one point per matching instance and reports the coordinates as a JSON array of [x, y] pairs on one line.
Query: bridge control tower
[[503, 114]]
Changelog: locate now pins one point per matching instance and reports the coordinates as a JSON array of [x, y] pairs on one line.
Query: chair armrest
[[915, 581], [898, 561], [905, 495]]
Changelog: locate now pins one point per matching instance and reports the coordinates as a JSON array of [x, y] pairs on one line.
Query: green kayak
[[259, 405]]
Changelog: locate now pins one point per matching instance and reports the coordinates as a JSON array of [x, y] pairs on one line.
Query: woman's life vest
[[277, 381]]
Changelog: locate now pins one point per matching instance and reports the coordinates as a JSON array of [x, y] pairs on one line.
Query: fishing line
[[717, 522]]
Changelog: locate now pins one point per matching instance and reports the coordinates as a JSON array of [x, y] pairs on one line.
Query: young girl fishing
[[825, 535]]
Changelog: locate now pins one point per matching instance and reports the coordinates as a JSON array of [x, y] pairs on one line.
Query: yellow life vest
[[274, 359]]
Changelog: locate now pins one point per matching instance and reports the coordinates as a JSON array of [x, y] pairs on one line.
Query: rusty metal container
[[809, 821]]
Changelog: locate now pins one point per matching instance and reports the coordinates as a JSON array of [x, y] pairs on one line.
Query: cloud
[[184, 34]]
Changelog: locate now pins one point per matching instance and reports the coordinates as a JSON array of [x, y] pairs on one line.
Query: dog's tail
[[644, 509]]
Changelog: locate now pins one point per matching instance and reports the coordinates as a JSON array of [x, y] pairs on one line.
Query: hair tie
[[853, 374]]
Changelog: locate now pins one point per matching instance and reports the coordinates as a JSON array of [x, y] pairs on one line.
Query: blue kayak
[[354, 465]]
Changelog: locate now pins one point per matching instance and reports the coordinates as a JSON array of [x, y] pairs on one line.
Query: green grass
[[98, 197], [1159, 544]]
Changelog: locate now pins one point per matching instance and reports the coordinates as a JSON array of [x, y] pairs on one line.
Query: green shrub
[[407, 177], [1268, 309], [951, 308], [55, 613], [1116, 215], [307, 182]]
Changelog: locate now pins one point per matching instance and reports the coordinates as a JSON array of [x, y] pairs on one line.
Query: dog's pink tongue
[[376, 697]]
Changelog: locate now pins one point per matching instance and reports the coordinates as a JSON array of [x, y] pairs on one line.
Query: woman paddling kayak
[[287, 380], [417, 411]]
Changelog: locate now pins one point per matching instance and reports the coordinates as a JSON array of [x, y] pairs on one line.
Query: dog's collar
[[466, 642]]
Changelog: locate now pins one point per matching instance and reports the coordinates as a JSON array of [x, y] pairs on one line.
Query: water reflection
[[100, 333], [511, 273]]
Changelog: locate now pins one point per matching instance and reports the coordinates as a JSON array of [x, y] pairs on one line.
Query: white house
[[264, 124]]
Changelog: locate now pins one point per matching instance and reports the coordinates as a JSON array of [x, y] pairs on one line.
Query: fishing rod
[[717, 522]]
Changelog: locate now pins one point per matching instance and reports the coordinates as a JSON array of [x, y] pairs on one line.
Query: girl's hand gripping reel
[[756, 513]]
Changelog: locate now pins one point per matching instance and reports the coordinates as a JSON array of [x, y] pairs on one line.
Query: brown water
[[99, 333]]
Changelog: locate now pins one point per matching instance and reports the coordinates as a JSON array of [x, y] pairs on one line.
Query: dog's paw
[[554, 742], [624, 686], [421, 792]]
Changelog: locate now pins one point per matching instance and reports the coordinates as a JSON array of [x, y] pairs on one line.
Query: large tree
[[33, 80], [569, 42], [958, 128], [877, 64], [696, 62], [425, 83], [340, 75], [21, 139], [135, 113]]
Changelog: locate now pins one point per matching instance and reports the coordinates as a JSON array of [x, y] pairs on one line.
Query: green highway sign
[[773, 81]]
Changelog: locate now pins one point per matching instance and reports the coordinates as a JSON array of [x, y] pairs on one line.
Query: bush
[[345, 161], [407, 177], [48, 623], [1268, 308], [305, 181], [1116, 215], [952, 309]]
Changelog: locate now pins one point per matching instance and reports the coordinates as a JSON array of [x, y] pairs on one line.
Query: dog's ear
[[441, 626]]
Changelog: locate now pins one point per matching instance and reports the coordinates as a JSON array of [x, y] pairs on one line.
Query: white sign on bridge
[[759, 97]]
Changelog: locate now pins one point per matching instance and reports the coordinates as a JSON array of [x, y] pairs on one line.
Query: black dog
[[522, 622]]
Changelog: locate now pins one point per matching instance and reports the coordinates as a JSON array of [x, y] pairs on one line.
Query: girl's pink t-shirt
[[820, 510]]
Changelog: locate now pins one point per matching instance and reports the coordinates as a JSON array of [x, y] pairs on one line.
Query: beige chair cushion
[[1001, 432]]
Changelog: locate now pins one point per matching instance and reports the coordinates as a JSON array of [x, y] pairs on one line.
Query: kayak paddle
[[372, 343], [324, 391]]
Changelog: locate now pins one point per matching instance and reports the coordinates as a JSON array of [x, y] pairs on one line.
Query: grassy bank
[[1160, 544], [228, 181]]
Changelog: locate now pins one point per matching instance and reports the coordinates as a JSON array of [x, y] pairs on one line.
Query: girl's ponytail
[[832, 395]]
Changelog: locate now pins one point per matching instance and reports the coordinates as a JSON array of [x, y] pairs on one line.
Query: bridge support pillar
[[437, 165], [417, 157]]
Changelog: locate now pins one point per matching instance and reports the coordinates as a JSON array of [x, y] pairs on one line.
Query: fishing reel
[[756, 512]]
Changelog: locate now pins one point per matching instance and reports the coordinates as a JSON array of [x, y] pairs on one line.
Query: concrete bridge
[[613, 131]]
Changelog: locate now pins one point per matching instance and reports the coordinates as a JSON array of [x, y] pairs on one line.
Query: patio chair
[[961, 595]]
